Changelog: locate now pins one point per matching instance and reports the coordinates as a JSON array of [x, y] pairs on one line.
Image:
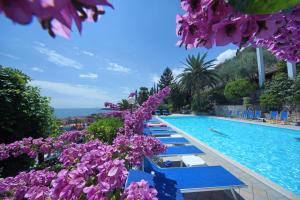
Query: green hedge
[[105, 129], [236, 90]]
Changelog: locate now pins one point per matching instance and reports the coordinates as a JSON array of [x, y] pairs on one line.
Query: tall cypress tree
[[166, 79]]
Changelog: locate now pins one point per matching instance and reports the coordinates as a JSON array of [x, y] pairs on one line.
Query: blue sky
[[129, 47]]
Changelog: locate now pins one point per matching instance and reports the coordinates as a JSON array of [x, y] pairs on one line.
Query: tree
[[236, 90], [143, 95], [24, 113], [269, 101], [244, 65], [280, 85], [201, 102], [166, 78], [124, 104], [197, 75], [176, 97]]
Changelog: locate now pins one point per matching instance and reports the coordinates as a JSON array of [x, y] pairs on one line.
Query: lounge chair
[[161, 128], [156, 124], [284, 116], [197, 179], [159, 133], [153, 120], [257, 114], [157, 112], [250, 114], [182, 150], [244, 114], [165, 112], [163, 134], [273, 116], [238, 114], [166, 188], [229, 113], [173, 140]]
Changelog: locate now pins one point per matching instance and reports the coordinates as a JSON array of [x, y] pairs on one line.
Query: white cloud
[[37, 69], [176, 71], [72, 95], [9, 56], [39, 43], [89, 75], [58, 59], [228, 54], [155, 78], [117, 68], [88, 53]]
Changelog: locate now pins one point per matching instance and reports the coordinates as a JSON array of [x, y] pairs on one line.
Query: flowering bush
[[140, 190], [215, 22], [32, 147], [91, 170], [134, 148], [56, 16]]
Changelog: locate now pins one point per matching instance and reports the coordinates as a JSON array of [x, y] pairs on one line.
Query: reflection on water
[[218, 132]]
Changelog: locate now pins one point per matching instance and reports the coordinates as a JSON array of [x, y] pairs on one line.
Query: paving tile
[[246, 195]]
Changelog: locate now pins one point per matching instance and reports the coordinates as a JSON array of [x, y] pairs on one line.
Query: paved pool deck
[[259, 187]]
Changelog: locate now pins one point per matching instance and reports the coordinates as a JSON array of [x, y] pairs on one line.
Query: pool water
[[270, 151]]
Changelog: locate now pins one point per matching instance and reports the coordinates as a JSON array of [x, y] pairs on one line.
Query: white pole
[[291, 68], [261, 66]]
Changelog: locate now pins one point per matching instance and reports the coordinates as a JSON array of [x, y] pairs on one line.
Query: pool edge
[[247, 170]]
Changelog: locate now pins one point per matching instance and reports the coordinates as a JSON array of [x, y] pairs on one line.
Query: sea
[[77, 112]]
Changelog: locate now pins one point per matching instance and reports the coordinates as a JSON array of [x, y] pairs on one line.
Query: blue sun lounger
[[197, 179], [157, 112], [284, 116], [181, 150], [153, 120], [147, 131], [160, 128], [250, 114], [163, 133], [166, 188], [173, 140], [257, 114], [273, 115]]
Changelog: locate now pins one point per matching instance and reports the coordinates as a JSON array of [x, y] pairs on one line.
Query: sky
[[127, 48]]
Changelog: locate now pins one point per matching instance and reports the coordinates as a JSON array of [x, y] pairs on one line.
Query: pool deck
[[259, 187]]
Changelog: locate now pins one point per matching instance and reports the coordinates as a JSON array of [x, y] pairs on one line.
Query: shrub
[[236, 90], [280, 85], [247, 101], [23, 113], [201, 103], [105, 129], [269, 101], [296, 90]]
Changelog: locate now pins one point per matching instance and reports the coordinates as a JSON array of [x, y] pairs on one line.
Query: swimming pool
[[270, 151]]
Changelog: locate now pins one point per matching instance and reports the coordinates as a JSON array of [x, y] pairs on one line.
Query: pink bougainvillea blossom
[[214, 22], [56, 16]]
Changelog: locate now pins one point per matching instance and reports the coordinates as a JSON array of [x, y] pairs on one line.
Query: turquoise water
[[269, 151], [76, 112]]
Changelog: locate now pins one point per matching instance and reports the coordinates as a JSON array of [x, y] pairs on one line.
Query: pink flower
[[140, 190]]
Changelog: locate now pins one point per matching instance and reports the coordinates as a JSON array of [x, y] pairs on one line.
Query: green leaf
[[262, 6]]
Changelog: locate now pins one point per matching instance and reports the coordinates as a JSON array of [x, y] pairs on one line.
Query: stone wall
[[222, 110]]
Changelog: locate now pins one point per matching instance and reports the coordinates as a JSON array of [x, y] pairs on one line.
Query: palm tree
[[197, 75], [124, 104]]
